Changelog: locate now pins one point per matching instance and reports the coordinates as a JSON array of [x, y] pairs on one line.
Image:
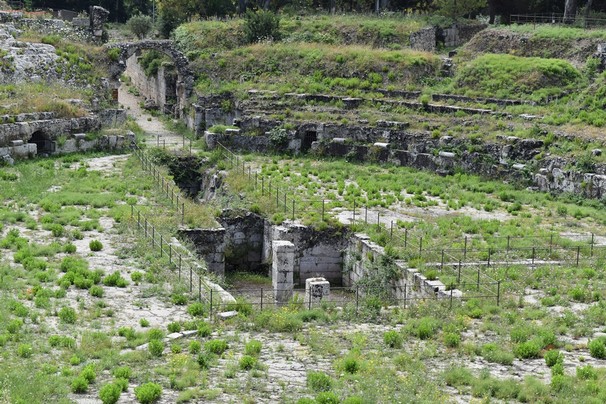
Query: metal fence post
[[160, 245], [354, 212], [498, 292], [357, 298], [200, 288], [459, 274], [309, 300], [190, 279], [405, 237], [465, 249], [180, 267], [451, 298], [293, 209], [591, 250], [420, 245], [442, 261], [578, 253], [261, 298], [478, 277], [211, 304], [322, 209]]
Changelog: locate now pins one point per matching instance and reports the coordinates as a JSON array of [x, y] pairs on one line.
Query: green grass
[[506, 76]]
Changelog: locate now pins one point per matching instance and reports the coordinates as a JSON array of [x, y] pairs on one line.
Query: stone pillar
[[282, 270], [316, 289]]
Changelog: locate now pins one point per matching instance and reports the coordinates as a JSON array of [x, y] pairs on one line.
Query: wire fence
[[356, 297], [185, 268], [555, 19]]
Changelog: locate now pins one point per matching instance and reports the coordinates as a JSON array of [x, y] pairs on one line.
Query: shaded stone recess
[[209, 244], [159, 90], [243, 240], [317, 253]]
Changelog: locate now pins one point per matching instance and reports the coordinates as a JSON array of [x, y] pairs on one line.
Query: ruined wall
[[457, 35], [360, 253], [317, 253], [243, 240], [160, 88], [424, 39], [209, 244]]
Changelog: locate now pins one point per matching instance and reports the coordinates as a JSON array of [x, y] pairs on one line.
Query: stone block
[[15, 143], [283, 260], [316, 289]]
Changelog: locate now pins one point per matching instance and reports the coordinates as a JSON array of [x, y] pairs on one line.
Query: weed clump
[[148, 393], [319, 381], [110, 393], [393, 339], [95, 245]]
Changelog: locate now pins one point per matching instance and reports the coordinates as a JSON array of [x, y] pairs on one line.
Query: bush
[[68, 315], [494, 353], [79, 385], [253, 348], [587, 373], [426, 328], [136, 276], [110, 393], [351, 365], [140, 25], [527, 350], [327, 397], [69, 248], [25, 350], [261, 25], [552, 357], [96, 291], [195, 347], [155, 333], [319, 381], [204, 360], [196, 310], [89, 373], [597, 348], [174, 327], [204, 330], [95, 245], [148, 393], [123, 372], [144, 322], [247, 362], [216, 346], [156, 347], [393, 339], [452, 340], [179, 299]]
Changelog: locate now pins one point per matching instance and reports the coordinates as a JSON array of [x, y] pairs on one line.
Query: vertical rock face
[[98, 18]]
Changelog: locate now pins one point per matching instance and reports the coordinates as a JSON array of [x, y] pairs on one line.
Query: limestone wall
[[360, 253], [209, 244], [243, 242], [160, 88], [317, 253]]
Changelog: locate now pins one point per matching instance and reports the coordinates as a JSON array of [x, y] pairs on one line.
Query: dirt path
[[154, 128]]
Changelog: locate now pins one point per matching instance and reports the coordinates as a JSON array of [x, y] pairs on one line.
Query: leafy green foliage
[[261, 25], [148, 393]]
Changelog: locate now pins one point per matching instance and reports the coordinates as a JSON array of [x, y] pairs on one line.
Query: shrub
[[452, 340], [96, 291], [327, 397], [261, 25], [122, 383], [216, 346], [253, 348], [204, 330], [144, 322], [597, 348], [241, 306], [148, 393], [527, 350], [155, 333], [79, 385], [426, 328], [195, 347], [319, 381], [587, 373], [156, 347], [204, 360], [247, 362], [351, 365], [196, 310], [494, 353], [25, 350], [393, 339], [95, 245], [69, 248], [115, 279], [68, 315], [136, 276], [557, 369], [123, 372], [88, 373], [14, 326], [179, 299], [174, 327], [110, 393], [552, 357]]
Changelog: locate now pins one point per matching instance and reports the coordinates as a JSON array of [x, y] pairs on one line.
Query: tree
[[140, 25], [570, 11], [261, 25], [458, 8]]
